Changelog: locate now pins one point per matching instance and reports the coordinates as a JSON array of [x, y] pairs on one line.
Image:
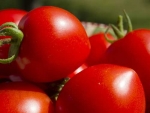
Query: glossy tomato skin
[[9, 15], [54, 45], [10, 68], [133, 51], [20, 97], [104, 88], [99, 45], [78, 70]]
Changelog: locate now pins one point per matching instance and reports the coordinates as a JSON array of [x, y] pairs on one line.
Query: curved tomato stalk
[[9, 24], [11, 29], [119, 29]]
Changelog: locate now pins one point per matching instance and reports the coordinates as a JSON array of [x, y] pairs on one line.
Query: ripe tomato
[[4, 78], [55, 44], [103, 88], [79, 69], [9, 15], [133, 51], [20, 97], [10, 68], [99, 44]]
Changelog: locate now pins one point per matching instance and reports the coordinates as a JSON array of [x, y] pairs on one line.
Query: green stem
[[117, 31], [8, 24], [120, 24], [129, 22], [58, 85], [8, 60], [106, 37], [15, 41], [5, 41]]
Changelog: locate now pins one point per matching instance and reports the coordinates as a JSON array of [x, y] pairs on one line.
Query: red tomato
[[4, 78], [15, 78], [104, 88], [9, 15], [98, 47], [19, 97], [133, 51], [10, 68], [55, 44], [79, 69]]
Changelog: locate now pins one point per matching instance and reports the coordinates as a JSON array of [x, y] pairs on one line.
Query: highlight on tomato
[[22, 97], [132, 50], [103, 88], [78, 70], [49, 44]]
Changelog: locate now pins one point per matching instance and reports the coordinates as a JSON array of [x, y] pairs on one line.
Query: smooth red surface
[[9, 15], [98, 47], [133, 51], [104, 88], [19, 97], [54, 45], [78, 70]]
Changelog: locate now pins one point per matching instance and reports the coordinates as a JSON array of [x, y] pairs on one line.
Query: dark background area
[[99, 11]]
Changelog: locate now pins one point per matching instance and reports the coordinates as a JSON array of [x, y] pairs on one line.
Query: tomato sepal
[[10, 29]]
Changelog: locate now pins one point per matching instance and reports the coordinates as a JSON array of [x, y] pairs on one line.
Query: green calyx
[[119, 29], [15, 38], [9, 24], [56, 87]]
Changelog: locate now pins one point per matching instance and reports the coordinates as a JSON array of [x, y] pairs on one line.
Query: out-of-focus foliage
[[9, 4], [100, 11]]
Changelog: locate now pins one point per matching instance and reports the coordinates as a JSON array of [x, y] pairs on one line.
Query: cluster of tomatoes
[[48, 64]]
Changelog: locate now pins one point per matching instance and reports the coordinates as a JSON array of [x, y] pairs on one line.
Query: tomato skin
[[133, 51], [78, 70], [103, 88], [9, 15], [20, 97], [98, 47], [55, 44], [4, 54], [4, 78]]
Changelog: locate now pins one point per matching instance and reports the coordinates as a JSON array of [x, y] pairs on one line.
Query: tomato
[[9, 15], [103, 88], [21, 97], [15, 78], [7, 69], [55, 44], [99, 44], [79, 69], [133, 51], [4, 78], [3, 54]]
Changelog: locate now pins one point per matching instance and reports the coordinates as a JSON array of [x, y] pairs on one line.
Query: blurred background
[[99, 11]]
